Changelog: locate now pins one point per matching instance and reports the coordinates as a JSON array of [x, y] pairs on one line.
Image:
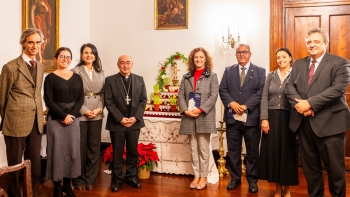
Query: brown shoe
[[89, 187], [78, 187]]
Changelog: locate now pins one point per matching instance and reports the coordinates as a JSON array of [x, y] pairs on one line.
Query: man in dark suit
[[240, 91], [316, 89], [21, 109], [125, 100]]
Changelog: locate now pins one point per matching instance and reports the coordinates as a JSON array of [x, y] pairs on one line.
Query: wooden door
[[292, 19]]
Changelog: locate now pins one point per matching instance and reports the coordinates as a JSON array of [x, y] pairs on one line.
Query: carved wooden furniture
[[27, 183]]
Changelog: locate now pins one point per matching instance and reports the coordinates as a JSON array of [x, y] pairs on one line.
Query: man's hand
[[128, 122], [191, 114], [196, 112], [309, 112], [239, 109], [302, 106]]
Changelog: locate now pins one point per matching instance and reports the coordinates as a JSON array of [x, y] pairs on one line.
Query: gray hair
[[320, 31], [242, 44], [30, 31]]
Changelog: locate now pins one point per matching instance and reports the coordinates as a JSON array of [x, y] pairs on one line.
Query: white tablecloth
[[173, 149]]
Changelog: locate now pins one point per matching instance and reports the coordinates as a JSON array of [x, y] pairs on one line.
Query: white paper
[[242, 118]]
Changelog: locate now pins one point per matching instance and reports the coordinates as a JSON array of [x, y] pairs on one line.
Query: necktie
[[311, 72], [242, 77], [32, 63]]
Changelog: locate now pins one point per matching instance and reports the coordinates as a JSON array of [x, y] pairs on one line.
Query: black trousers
[[31, 146], [90, 143], [331, 150], [251, 134], [130, 138]]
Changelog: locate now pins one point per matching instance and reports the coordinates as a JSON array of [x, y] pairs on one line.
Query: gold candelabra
[[221, 162]]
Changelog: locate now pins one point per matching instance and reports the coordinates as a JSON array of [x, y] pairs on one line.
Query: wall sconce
[[230, 42]]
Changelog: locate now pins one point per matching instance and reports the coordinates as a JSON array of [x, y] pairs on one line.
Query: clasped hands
[[68, 120], [239, 109], [303, 107], [92, 114], [194, 113], [128, 122]]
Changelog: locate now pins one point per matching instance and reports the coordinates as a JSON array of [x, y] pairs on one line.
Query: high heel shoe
[[193, 185], [201, 186]]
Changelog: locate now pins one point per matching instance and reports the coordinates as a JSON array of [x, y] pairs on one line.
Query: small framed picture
[[171, 14]]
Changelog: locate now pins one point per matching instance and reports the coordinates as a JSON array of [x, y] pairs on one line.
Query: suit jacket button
[[197, 88]]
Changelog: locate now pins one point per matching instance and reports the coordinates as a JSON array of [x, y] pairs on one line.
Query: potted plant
[[173, 103], [167, 82], [156, 89], [156, 102], [147, 156]]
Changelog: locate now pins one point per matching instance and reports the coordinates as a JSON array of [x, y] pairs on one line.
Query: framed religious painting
[[43, 15], [171, 14]]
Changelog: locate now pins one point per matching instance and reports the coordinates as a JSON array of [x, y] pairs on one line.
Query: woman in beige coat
[[199, 122], [90, 70]]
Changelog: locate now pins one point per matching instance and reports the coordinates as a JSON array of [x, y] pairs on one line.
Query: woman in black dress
[[278, 157], [64, 96]]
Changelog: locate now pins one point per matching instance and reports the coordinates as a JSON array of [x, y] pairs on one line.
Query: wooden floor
[[175, 185]]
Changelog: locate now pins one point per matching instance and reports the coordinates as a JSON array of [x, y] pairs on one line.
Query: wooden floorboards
[[176, 185]]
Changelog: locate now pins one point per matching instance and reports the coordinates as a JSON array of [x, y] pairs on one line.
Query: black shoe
[[233, 184], [133, 183], [57, 190], [116, 186], [68, 191], [253, 188]]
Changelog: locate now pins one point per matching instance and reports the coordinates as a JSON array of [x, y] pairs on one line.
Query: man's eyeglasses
[[62, 57], [242, 52], [126, 63]]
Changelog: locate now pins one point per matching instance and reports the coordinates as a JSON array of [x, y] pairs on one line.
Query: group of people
[[304, 99]]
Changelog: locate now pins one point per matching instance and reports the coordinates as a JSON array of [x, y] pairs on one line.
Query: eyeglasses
[[242, 52], [62, 57], [126, 63]]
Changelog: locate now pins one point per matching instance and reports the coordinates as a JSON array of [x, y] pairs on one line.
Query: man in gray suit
[[316, 89], [125, 100], [21, 109], [240, 91]]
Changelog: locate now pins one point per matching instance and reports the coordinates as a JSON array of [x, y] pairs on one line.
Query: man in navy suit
[[240, 91], [316, 89]]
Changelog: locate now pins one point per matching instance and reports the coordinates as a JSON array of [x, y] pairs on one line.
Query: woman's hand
[[191, 114], [265, 126], [68, 120]]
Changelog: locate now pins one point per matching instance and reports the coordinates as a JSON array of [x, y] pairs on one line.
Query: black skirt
[[278, 153]]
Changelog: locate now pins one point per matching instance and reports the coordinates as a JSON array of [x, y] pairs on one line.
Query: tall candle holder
[[221, 162]]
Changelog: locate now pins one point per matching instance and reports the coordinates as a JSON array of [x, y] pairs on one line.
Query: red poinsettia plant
[[146, 153]]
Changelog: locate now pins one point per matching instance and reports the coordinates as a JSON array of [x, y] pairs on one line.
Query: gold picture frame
[[43, 15], [171, 14]]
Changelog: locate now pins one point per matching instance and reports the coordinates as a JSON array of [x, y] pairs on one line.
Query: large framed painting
[[171, 14], [43, 15]]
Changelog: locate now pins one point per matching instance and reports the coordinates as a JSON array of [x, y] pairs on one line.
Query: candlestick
[[221, 113]]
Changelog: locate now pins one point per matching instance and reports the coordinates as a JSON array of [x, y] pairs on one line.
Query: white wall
[[127, 27]]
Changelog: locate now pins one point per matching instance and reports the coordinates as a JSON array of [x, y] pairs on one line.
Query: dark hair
[[59, 50], [288, 52], [209, 60], [97, 62]]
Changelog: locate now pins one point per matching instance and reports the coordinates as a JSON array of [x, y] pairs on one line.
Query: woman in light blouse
[[278, 156], [90, 70]]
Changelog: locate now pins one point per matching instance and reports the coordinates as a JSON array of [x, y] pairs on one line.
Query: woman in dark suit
[[90, 70], [199, 122], [278, 157]]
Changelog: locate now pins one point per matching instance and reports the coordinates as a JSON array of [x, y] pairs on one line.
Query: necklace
[[127, 98]]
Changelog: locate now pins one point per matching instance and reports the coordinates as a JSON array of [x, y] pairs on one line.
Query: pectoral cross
[[127, 100]]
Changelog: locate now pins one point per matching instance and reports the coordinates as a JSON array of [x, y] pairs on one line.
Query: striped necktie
[[311, 72], [242, 77]]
